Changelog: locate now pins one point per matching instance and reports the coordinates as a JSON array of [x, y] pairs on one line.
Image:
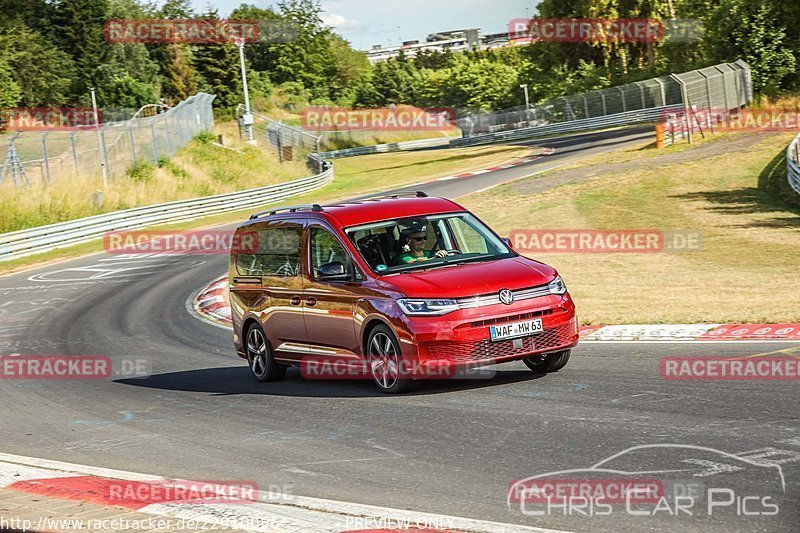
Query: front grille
[[464, 352], [494, 298]]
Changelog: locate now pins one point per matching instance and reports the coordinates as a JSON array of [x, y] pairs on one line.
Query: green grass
[[199, 169], [737, 198]]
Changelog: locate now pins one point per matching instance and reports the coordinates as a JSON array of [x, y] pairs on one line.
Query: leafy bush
[[205, 137], [142, 172]]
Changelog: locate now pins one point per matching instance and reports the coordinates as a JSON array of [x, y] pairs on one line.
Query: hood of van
[[471, 279]]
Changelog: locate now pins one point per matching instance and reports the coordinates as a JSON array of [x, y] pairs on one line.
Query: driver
[[414, 250]]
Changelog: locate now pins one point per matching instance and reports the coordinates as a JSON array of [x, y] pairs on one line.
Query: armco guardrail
[[609, 121], [36, 240], [793, 164], [390, 147]]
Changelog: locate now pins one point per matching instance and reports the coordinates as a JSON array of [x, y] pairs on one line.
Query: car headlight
[[414, 307], [557, 286]]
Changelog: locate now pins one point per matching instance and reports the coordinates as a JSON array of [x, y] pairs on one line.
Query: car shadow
[[237, 380], [771, 196]]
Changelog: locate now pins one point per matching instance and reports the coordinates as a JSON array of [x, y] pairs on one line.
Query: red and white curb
[[211, 303], [548, 151], [66, 481], [692, 332]]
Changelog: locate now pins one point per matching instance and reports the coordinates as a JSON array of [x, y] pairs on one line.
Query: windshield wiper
[[445, 262]]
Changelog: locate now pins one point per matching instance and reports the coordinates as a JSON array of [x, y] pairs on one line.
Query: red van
[[395, 289]]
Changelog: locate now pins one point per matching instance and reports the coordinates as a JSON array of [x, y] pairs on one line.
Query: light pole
[[101, 145], [247, 119], [524, 87]]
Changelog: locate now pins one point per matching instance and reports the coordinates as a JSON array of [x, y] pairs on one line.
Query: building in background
[[462, 40]]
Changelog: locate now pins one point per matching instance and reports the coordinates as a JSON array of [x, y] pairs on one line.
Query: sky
[[386, 22]]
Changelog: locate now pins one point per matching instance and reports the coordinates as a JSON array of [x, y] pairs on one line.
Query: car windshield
[[425, 242]]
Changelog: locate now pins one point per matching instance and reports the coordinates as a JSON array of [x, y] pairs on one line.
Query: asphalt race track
[[450, 447]]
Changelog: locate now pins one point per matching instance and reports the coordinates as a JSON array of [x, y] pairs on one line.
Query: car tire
[[259, 356], [383, 357], [548, 363]]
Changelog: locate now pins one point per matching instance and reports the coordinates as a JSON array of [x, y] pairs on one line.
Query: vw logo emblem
[[506, 296]]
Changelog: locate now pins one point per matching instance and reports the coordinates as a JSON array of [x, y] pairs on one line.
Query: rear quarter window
[[277, 253]]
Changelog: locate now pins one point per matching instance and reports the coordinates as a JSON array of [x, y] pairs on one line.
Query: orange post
[[660, 136]]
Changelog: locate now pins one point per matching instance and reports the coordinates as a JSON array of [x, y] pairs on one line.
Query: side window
[[278, 253], [469, 240], [325, 248]]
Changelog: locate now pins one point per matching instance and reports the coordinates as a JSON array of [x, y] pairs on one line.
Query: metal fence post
[[686, 105], [45, 159], [133, 143], [709, 122], [167, 134], [641, 90], [622, 97], [603, 97], [662, 86], [724, 88], [74, 150], [155, 143], [104, 156]]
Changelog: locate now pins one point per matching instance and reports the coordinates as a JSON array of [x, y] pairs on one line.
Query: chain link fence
[[719, 88], [110, 151], [290, 143]]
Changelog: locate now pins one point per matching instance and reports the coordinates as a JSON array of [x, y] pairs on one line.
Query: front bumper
[[463, 338]]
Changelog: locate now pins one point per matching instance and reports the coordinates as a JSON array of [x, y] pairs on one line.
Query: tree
[[346, 71], [80, 34], [10, 92], [43, 72], [180, 78], [751, 30], [218, 67], [396, 80]]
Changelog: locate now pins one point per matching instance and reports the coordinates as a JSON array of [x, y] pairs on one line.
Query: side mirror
[[508, 242], [334, 271]]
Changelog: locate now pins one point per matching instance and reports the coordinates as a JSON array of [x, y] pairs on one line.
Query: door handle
[[311, 302], [247, 281], [294, 300]]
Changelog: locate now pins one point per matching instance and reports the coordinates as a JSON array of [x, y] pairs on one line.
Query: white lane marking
[[516, 179], [300, 514]]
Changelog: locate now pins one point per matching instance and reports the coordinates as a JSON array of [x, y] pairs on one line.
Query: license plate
[[516, 330]]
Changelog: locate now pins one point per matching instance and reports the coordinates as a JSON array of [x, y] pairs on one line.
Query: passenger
[[414, 250]]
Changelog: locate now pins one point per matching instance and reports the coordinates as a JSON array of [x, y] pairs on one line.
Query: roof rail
[[416, 194], [289, 209]]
